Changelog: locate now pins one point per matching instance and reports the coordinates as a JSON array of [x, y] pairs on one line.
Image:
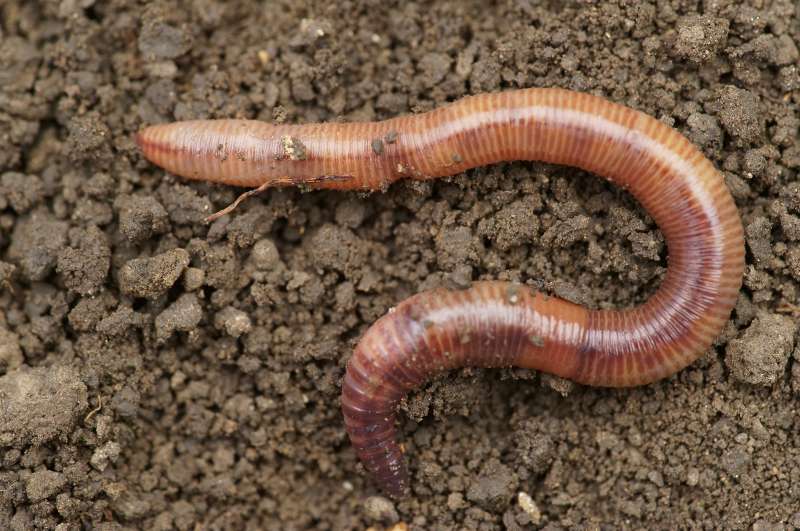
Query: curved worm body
[[496, 324]]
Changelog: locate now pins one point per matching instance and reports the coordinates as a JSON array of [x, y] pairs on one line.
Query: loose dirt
[[160, 373]]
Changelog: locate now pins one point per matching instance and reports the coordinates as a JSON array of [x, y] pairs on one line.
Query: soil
[[160, 373]]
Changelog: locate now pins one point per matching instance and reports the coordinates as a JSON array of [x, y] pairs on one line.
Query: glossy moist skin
[[496, 324]]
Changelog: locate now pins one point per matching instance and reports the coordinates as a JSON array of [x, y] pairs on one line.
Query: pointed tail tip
[[140, 138], [147, 138], [146, 142]]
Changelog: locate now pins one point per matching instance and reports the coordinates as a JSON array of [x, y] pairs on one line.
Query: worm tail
[[492, 324]]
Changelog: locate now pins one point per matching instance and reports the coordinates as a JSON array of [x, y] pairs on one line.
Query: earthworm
[[498, 324]]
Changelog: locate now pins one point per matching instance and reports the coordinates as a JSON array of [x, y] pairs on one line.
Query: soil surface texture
[[160, 373]]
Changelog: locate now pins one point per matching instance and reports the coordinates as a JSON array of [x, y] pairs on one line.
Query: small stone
[[152, 277], [161, 69], [529, 507], [380, 509]]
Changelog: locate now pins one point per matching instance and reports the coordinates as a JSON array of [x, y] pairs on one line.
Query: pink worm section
[[495, 324]]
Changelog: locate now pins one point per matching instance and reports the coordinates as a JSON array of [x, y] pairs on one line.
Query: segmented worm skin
[[496, 324]]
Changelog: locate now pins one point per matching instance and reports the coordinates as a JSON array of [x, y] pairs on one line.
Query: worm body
[[495, 324]]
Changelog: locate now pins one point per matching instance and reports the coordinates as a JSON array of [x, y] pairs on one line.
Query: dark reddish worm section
[[495, 324]]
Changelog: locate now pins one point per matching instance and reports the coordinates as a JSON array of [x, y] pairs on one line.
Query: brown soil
[[159, 373]]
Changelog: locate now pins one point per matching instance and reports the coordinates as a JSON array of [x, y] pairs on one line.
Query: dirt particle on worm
[[222, 155], [536, 341], [456, 158], [377, 146], [512, 293], [390, 137], [293, 149]]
